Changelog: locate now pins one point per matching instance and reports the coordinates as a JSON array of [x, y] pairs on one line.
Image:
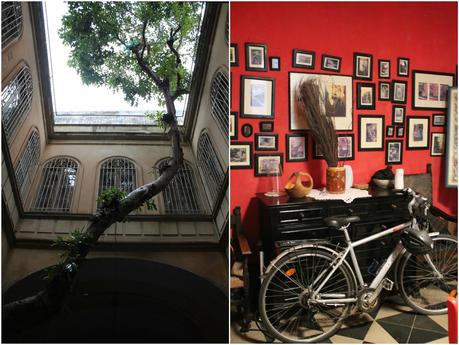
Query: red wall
[[426, 33]]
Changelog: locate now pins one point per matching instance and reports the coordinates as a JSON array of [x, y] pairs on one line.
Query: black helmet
[[416, 241]]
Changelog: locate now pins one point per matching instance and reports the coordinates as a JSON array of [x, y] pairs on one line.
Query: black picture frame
[[233, 118], [246, 164], [315, 151], [422, 101], [266, 126], [378, 133], [246, 130], [366, 105], [390, 131], [381, 73], [250, 64], [272, 60], [259, 147], [243, 112], [396, 84], [410, 142], [389, 145], [367, 74], [432, 146], [438, 120], [257, 164], [396, 114], [403, 67], [288, 149], [297, 52], [399, 131], [234, 47], [389, 92], [342, 155], [326, 67]]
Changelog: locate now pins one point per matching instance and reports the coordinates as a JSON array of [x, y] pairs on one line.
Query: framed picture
[[234, 55], [384, 69], [403, 67], [439, 120], [363, 66], [268, 164], [345, 147], [266, 126], [371, 132], [316, 152], [451, 143], [296, 147], [398, 114], [303, 58], [389, 131], [233, 125], [246, 130], [399, 91], [438, 144], [274, 63], [417, 128], [366, 96], [266, 142], [400, 132], [331, 63], [255, 57], [337, 99], [257, 97], [241, 155], [394, 152], [430, 89], [384, 91]]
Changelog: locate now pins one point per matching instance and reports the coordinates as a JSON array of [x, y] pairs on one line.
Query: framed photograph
[[296, 147], [394, 152], [257, 97], [417, 136], [246, 130], [439, 120], [255, 57], [274, 63], [389, 131], [430, 89], [403, 67], [451, 143], [337, 99], [304, 58], [438, 144], [266, 126], [331, 63], [234, 55], [345, 147], [265, 142], [316, 152], [384, 91], [241, 155], [363, 66], [398, 114], [400, 132], [366, 96], [384, 69], [268, 164], [371, 132], [233, 125], [399, 91]]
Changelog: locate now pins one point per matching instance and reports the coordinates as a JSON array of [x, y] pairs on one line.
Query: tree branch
[[180, 92], [159, 83], [178, 61], [144, 41]]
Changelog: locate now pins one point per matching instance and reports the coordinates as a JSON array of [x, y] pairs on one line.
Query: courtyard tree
[[141, 49]]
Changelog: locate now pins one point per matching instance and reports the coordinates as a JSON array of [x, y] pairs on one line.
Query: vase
[[336, 180], [299, 184]]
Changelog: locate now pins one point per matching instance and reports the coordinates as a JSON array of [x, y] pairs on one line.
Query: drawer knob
[[301, 215]]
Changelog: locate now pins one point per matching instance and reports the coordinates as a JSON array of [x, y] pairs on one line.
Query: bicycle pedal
[[387, 284]]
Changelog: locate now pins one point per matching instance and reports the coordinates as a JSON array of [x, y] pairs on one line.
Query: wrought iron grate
[[118, 172], [27, 164], [219, 100], [11, 21]]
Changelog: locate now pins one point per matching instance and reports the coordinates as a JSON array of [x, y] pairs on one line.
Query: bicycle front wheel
[[421, 287], [286, 308]]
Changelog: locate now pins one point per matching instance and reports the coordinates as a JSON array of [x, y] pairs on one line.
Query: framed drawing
[[403, 67], [337, 100], [451, 143], [430, 89], [438, 144], [389, 131], [366, 96], [394, 152], [233, 125], [241, 155], [268, 164], [399, 91], [398, 114], [246, 130], [371, 132], [417, 132], [234, 55], [296, 147], [400, 132], [384, 69], [255, 57], [257, 97], [439, 120], [363, 66], [266, 142], [345, 147], [316, 152], [266, 126], [384, 91], [331, 63], [303, 58], [274, 63]]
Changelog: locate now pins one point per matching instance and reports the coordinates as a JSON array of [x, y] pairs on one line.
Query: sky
[[70, 94]]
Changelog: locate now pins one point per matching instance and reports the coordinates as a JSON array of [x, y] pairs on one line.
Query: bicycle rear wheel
[[419, 286], [285, 307]]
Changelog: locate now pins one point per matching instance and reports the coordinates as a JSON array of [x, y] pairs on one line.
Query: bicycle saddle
[[338, 222]]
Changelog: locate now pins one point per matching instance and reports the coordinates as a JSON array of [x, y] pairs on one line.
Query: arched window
[[57, 186], [11, 21], [212, 171], [27, 164], [16, 101], [118, 172], [181, 195], [219, 100]]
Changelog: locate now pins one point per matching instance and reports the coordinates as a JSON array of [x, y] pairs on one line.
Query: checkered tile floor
[[392, 323]]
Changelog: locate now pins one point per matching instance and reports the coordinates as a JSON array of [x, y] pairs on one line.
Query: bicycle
[[308, 290]]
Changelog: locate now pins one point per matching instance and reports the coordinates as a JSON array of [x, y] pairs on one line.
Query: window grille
[[11, 21], [27, 163], [16, 101], [181, 195], [219, 100], [212, 171], [57, 186], [117, 172]]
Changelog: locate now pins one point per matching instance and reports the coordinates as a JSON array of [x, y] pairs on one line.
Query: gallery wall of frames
[[389, 67]]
